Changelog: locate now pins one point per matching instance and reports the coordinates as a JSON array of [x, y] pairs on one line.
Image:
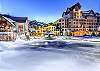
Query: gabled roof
[[19, 19], [9, 20], [71, 8], [88, 12], [77, 4], [16, 19], [97, 14]]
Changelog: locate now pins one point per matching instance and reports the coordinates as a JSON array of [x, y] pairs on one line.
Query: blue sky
[[44, 10]]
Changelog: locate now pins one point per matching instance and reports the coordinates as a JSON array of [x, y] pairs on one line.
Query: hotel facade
[[78, 23]]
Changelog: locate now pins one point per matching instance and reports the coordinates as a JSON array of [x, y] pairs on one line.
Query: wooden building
[[6, 25], [6, 29], [11, 26]]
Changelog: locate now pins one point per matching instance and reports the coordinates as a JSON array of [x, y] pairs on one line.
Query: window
[[62, 26], [59, 20], [60, 23], [63, 20], [63, 23]]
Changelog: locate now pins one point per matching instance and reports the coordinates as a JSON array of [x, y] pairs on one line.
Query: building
[[10, 26], [6, 25], [6, 29], [61, 27], [79, 23], [21, 23], [42, 29], [35, 27]]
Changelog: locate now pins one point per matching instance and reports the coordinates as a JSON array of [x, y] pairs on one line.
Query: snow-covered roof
[[17, 19], [10, 20]]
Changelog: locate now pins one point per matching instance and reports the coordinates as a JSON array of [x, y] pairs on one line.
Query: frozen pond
[[50, 56]]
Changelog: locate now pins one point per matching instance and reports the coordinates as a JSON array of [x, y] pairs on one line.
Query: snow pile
[[18, 42]]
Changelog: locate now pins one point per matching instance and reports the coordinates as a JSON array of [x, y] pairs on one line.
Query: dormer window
[[76, 8]]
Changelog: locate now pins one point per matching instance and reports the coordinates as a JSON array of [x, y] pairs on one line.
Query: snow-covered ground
[[31, 60], [75, 55]]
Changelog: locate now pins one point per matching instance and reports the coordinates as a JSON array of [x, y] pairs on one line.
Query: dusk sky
[[44, 10]]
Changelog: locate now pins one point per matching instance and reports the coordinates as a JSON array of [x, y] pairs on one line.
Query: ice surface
[[74, 56], [31, 60]]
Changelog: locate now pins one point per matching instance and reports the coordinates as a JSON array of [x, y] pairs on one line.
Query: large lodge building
[[79, 23]]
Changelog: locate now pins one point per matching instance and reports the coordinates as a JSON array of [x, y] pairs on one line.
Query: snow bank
[[12, 44]]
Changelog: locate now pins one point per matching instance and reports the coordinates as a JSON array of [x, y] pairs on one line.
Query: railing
[[7, 36]]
